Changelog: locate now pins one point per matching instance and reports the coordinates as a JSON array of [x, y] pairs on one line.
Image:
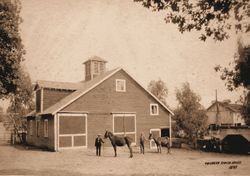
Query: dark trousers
[[142, 147], [98, 150]]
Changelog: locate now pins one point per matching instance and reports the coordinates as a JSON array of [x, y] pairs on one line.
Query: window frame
[[157, 109], [117, 83], [46, 128]]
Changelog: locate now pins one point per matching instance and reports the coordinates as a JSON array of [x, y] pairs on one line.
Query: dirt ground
[[21, 161]]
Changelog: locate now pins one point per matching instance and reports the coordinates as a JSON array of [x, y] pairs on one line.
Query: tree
[[237, 74], [21, 103], [190, 116], [212, 18], [11, 47], [1, 114], [158, 89]]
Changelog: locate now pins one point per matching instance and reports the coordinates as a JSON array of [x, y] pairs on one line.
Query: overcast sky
[[59, 35]]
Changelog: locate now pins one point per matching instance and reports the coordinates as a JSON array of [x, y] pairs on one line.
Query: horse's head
[[150, 136], [107, 134]]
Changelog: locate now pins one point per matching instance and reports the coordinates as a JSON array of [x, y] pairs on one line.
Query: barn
[[70, 115]]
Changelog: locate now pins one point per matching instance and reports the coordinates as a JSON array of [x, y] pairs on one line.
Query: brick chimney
[[94, 66]]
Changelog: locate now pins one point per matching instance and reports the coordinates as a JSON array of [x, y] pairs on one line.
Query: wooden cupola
[[93, 67]]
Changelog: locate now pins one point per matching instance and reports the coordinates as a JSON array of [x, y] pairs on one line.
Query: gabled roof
[[89, 85], [57, 85], [230, 106]]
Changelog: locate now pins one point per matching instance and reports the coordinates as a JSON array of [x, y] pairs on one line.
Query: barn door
[[125, 124], [156, 133], [72, 131]]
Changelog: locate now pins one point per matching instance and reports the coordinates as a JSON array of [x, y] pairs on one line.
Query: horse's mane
[[110, 133]]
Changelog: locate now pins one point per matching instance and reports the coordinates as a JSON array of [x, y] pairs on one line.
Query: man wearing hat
[[98, 144]]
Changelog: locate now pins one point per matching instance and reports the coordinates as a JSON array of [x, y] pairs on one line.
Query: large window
[[72, 130], [125, 124], [154, 109], [120, 85], [31, 127], [46, 128]]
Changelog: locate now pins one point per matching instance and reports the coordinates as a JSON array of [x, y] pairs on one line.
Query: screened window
[[154, 109], [101, 67], [96, 67], [121, 85], [46, 128], [31, 127], [124, 124]]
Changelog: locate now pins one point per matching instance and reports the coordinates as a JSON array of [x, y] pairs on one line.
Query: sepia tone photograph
[[125, 87]]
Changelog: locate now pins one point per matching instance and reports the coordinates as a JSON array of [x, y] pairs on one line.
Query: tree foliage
[[159, 89], [11, 48], [190, 116], [237, 74], [212, 18], [21, 103]]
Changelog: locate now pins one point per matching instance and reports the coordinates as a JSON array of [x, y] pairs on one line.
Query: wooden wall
[[41, 141], [38, 100], [52, 96], [102, 100]]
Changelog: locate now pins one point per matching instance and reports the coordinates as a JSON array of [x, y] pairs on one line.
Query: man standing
[[142, 139], [98, 145], [168, 143]]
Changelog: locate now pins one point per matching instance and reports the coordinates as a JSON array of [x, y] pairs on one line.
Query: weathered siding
[[38, 100], [41, 141], [103, 99], [97, 124], [52, 96]]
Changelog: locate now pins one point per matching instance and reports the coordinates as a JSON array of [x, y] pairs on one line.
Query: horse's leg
[[169, 148], [115, 150], [159, 148], [129, 146], [131, 151]]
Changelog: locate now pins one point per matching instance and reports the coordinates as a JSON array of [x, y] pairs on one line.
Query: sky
[[59, 35]]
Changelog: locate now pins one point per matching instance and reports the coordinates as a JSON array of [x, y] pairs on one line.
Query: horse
[[117, 141], [160, 142]]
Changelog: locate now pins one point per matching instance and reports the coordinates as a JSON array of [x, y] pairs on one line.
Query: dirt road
[[20, 161]]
